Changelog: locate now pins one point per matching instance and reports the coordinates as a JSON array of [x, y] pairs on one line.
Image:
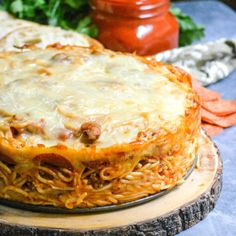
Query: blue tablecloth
[[220, 22]]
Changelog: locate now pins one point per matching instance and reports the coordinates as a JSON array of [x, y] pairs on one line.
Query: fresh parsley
[[74, 15], [68, 14], [189, 31]]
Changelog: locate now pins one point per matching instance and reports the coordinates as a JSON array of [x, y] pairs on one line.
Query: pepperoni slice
[[7, 159], [208, 95], [212, 130], [222, 121], [53, 160], [196, 84], [220, 107], [205, 94]]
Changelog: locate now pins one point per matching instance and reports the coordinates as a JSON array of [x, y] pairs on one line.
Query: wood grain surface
[[180, 209]]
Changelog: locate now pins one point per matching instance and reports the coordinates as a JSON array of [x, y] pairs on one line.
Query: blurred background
[[231, 3]]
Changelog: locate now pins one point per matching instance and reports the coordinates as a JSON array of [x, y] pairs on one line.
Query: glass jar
[[142, 26]]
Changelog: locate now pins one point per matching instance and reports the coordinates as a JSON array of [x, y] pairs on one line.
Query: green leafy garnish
[[68, 14], [189, 31], [74, 15]]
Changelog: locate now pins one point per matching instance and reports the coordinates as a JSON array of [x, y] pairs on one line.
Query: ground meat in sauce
[[91, 130]]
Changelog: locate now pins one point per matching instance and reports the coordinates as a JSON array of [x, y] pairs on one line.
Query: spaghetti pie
[[85, 127]]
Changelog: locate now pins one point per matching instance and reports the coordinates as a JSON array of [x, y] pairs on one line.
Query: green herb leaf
[[76, 4], [189, 31], [16, 6], [68, 14], [73, 15]]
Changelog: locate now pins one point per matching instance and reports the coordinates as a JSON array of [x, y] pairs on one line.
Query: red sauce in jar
[[142, 26]]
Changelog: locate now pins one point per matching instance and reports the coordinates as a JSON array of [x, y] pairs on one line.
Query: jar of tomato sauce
[[142, 26]]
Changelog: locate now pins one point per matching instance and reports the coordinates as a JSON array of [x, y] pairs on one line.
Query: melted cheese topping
[[66, 88]]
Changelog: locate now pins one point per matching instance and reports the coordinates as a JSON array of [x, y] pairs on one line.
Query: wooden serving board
[[176, 211]]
